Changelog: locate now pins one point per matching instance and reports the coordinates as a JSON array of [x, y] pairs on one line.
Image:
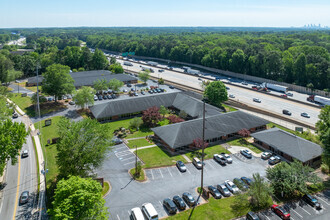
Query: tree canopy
[[115, 84], [144, 76], [216, 93], [323, 130], [84, 96]]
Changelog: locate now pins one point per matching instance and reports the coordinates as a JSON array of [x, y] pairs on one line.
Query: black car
[[15, 115], [24, 198], [100, 97], [240, 184], [150, 91], [181, 166], [179, 202], [189, 199], [132, 89], [286, 112], [143, 93], [312, 201], [109, 96], [117, 141], [246, 180], [169, 206], [171, 87], [252, 216], [129, 85], [105, 97], [113, 96], [215, 192]]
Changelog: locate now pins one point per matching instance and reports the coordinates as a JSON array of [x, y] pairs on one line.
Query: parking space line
[[161, 173], [305, 210], [123, 152], [127, 158], [187, 170], [169, 172], [291, 218], [121, 147], [266, 216], [118, 217], [211, 164], [160, 203], [129, 163], [179, 171], [152, 174], [322, 200], [128, 212], [297, 213]]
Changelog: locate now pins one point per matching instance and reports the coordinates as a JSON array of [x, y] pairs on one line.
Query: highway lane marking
[[168, 171], [297, 213], [322, 200], [305, 210], [18, 181], [161, 173]]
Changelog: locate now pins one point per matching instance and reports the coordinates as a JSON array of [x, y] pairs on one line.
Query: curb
[[141, 181], [110, 188]]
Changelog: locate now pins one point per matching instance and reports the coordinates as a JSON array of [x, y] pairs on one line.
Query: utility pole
[[38, 106], [135, 159], [203, 146]]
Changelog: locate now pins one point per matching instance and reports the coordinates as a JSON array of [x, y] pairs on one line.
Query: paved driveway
[[163, 182]]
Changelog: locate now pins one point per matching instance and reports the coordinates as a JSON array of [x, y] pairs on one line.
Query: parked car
[[304, 114], [105, 97], [215, 192], [257, 100], [117, 141], [286, 112], [169, 206], [223, 189], [181, 166], [246, 153], [231, 186], [109, 96], [266, 155], [289, 94], [280, 211], [150, 91], [25, 153], [24, 198], [149, 211], [246, 180], [189, 199], [110, 91], [227, 157], [252, 216], [312, 201], [49, 99], [100, 97], [136, 214], [220, 159], [143, 93], [15, 115], [136, 94], [240, 184], [231, 96], [179, 202], [197, 163], [274, 160], [125, 90], [132, 89], [129, 85], [72, 103], [113, 96]]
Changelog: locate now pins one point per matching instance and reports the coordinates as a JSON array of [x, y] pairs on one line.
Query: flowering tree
[[244, 132], [174, 119], [151, 116], [198, 143]]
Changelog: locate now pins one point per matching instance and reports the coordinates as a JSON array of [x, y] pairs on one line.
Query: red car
[[285, 96], [280, 211]]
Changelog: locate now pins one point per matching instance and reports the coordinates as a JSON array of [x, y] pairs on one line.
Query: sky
[[152, 13]]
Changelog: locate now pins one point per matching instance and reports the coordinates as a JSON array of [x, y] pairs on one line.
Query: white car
[[228, 158], [220, 159], [257, 100], [231, 186], [306, 115], [231, 96], [289, 94]]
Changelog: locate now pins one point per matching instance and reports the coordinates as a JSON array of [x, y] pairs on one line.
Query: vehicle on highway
[[171, 87], [240, 184], [304, 114], [257, 100], [215, 192], [231, 96], [274, 160], [246, 153], [15, 115], [266, 155], [280, 211], [179, 202], [25, 153], [319, 99], [231, 186], [24, 198], [286, 112], [220, 159], [189, 199], [227, 157], [284, 96], [223, 189], [72, 103], [227, 88], [244, 83], [136, 214], [312, 201], [252, 216], [169, 206], [289, 94], [149, 211], [181, 166], [199, 78], [246, 180], [161, 70], [197, 163]]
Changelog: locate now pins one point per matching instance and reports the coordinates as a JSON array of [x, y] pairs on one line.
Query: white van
[[149, 211], [136, 214]]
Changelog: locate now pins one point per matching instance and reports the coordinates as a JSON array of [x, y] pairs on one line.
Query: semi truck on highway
[[190, 71], [126, 63], [275, 87], [147, 69], [151, 63], [319, 99]]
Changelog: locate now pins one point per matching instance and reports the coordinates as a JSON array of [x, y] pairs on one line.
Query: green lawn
[[138, 142], [213, 210], [229, 108], [23, 102], [142, 176], [156, 157], [209, 152], [242, 142], [106, 188]]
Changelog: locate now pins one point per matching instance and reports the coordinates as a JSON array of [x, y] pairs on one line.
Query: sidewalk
[[145, 147]]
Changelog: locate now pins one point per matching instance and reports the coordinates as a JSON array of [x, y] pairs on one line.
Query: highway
[[243, 95], [20, 177]]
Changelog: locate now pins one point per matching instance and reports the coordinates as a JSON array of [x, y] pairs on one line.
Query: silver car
[[231, 186], [224, 190]]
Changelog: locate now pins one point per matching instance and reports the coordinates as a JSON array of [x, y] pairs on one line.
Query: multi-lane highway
[[18, 178], [243, 95]]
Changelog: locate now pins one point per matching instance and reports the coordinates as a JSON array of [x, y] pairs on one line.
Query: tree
[[34, 99], [198, 143], [13, 74], [78, 198], [174, 119], [84, 96], [163, 110], [82, 146], [323, 130], [216, 93], [115, 84], [310, 86], [113, 60], [99, 61], [240, 204], [260, 192], [161, 81], [151, 116], [300, 69], [135, 123], [183, 114], [116, 68], [244, 132], [289, 180], [144, 76], [100, 84], [12, 138], [57, 81]]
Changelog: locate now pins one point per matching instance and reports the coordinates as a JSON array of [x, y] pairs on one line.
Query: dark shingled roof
[[87, 78], [190, 105], [183, 134], [289, 144]]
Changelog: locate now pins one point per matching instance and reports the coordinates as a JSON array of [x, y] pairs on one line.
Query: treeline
[[4, 38], [297, 57]]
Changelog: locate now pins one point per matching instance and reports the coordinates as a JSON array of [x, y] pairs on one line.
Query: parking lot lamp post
[[135, 158], [203, 146]]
